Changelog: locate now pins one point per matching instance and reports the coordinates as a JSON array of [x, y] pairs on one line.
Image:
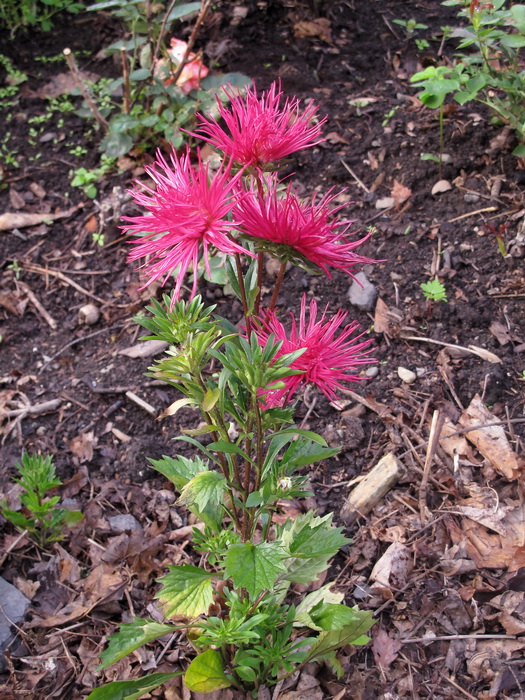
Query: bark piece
[[371, 490]]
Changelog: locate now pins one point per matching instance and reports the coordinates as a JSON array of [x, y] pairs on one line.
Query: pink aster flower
[[260, 131], [188, 214], [327, 361], [300, 231]]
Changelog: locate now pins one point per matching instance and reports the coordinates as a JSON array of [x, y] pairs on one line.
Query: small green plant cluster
[[145, 106], [410, 27], [14, 78], [44, 521], [488, 67], [86, 179], [39, 14]]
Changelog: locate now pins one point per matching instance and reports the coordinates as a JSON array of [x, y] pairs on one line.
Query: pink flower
[[260, 132], [299, 231], [326, 361], [188, 214], [193, 71]]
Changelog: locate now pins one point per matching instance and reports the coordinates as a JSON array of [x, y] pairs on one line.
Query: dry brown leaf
[[64, 83], [456, 444], [102, 580], [144, 349], [10, 220], [82, 446], [385, 648], [491, 550], [381, 318], [14, 303], [28, 588], [15, 199], [400, 193], [500, 332], [490, 655], [319, 27], [392, 568], [490, 441], [334, 137]]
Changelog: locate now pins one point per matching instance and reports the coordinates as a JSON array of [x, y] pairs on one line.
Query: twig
[[140, 402], [458, 687], [472, 213], [484, 354], [12, 546], [358, 181], [433, 439], [83, 89], [38, 306], [36, 410], [126, 96], [191, 41], [451, 637]]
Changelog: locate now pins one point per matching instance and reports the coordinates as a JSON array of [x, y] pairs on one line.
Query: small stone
[[123, 523], [88, 314], [372, 372], [362, 293], [12, 612], [385, 203], [470, 198], [406, 375], [441, 186], [420, 371]]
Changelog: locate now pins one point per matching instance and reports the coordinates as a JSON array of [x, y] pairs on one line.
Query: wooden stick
[[84, 90], [472, 213], [38, 306], [140, 402], [372, 489], [125, 76], [433, 438], [480, 352]]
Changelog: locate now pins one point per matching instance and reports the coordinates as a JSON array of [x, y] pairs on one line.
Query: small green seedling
[[433, 291], [43, 520]]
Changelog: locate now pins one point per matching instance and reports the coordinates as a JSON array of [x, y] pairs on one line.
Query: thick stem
[[84, 90], [125, 76], [277, 287], [206, 4], [244, 298]]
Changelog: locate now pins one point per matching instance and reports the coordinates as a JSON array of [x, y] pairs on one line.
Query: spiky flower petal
[[327, 361], [303, 232], [259, 130], [188, 215]]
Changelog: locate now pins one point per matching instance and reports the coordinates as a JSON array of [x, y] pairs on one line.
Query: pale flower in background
[[193, 71]]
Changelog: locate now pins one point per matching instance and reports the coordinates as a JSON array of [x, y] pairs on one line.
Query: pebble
[[88, 314], [471, 198], [123, 523], [372, 372], [12, 612], [362, 293], [385, 203], [441, 186], [406, 375], [420, 371]]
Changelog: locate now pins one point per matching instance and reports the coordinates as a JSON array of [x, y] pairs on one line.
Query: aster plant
[[242, 609]]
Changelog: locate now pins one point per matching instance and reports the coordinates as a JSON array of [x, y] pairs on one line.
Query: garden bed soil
[[356, 69]]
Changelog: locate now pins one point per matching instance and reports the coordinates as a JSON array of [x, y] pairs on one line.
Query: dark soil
[[101, 438]]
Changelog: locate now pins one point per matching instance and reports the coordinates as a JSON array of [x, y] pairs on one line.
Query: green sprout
[[434, 291]]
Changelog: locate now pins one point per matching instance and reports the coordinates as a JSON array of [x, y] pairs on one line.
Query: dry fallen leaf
[[392, 568], [400, 193], [82, 446], [385, 648], [144, 349], [319, 27], [63, 83], [381, 318], [10, 220], [490, 441]]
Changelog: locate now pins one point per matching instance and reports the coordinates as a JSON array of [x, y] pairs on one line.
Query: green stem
[[441, 140], [244, 299]]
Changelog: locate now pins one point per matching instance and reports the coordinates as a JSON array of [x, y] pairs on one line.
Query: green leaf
[[227, 448], [116, 145], [321, 595], [352, 633], [17, 519], [206, 673], [235, 80], [179, 470], [131, 636], [204, 489], [183, 10], [131, 690], [140, 74], [210, 399], [519, 151], [312, 542], [71, 517], [518, 15], [255, 566], [186, 591], [513, 41]]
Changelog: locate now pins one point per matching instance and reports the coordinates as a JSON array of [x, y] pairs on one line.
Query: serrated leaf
[[321, 595], [255, 566], [186, 591], [131, 690], [131, 636], [206, 488], [179, 470], [206, 673], [354, 633]]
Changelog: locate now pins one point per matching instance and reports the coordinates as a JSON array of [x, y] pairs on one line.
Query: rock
[[420, 371], [470, 198], [123, 523], [88, 314], [12, 611], [406, 375], [362, 293], [385, 203], [372, 371], [441, 186]]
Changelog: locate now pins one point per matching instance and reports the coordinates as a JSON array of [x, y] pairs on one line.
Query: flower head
[[300, 231], [327, 361], [193, 71], [188, 211], [260, 131]]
